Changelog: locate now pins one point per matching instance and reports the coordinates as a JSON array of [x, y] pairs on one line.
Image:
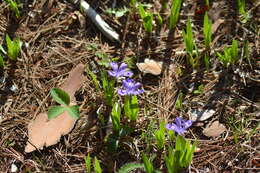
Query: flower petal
[[187, 124], [169, 126], [137, 92], [122, 67], [128, 73], [112, 73], [178, 121], [128, 83], [122, 92], [137, 85], [114, 66]]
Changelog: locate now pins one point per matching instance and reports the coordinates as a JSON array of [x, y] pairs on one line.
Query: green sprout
[[207, 24], [147, 18], [244, 15], [148, 165], [179, 101], [199, 90], [13, 47], [160, 136], [175, 12], [207, 2], [87, 163], [117, 12], [97, 166], [190, 45], [61, 97], [181, 156], [115, 116], [2, 64], [108, 87], [131, 107], [14, 7], [230, 55]]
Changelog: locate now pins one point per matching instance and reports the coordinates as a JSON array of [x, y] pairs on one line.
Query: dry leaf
[[216, 24], [150, 66], [43, 132], [214, 129]]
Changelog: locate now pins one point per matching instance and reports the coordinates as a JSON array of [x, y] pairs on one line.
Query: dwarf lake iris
[[119, 70], [130, 87], [180, 125]]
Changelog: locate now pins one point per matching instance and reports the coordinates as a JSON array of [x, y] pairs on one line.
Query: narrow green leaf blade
[[60, 96], [88, 163], [54, 111], [97, 166], [1, 62]]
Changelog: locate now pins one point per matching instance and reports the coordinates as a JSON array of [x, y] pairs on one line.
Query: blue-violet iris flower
[[180, 125], [119, 71], [130, 87]]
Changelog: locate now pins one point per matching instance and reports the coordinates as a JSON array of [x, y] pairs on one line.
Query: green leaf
[[73, 111], [1, 62], [175, 12], [13, 47], [171, 135], [94, 78], [14, 7], [159, 19], [87, 163], [180, 143], [54, 111], [60, 96], [129, 167], [116, 112], [147, 164], [147, 18], [108, 87], [134, 107], [97, 166], [207, 31]]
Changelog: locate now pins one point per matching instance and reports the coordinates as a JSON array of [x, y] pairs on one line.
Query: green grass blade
[[87, 163], [1, 61]]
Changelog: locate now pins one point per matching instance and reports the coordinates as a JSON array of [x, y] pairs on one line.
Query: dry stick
[[97, 20]]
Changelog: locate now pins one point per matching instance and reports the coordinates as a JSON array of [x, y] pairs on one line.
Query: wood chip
[[43, 132], [214, 130]]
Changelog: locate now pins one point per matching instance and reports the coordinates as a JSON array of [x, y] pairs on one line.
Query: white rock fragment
[[14, 88], [198, 115], [14, 168]]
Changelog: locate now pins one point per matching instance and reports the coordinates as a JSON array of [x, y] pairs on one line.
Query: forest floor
[[56, 37]]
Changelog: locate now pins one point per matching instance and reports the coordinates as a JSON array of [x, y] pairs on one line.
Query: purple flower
[[130, 87], [180, 125], [119, 71]]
